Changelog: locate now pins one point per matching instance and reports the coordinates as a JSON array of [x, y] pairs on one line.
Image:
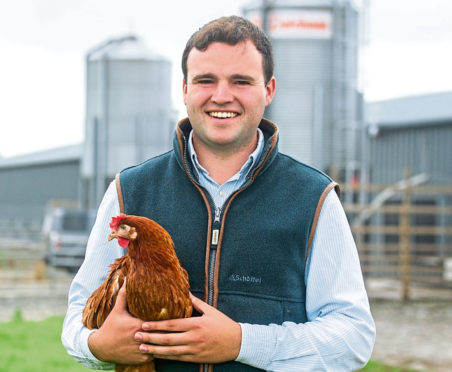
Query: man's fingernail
[[138, 336], [145, 326]]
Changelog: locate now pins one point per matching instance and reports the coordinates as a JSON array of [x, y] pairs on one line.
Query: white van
[[65, 232]]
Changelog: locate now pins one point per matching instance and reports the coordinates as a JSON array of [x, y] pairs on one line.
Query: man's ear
[[184, 91], [270, 90]]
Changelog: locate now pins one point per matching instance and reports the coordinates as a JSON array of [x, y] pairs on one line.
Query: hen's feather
[[103, 298]]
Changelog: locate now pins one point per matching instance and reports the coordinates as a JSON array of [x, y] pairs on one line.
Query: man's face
[[225, 95]]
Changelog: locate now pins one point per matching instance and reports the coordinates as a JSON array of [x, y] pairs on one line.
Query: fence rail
[[403, 233]]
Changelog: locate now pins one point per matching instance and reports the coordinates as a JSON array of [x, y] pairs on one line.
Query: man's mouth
[[222, 114]]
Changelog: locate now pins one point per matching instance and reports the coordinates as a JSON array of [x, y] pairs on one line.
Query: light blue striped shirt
[[220, 193], [340, 332]]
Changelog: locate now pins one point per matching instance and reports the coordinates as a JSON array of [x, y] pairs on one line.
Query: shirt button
[[221, 193]]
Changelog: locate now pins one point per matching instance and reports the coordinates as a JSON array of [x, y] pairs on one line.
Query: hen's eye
[[123, 228]]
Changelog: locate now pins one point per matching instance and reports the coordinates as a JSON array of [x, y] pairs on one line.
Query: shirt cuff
[[93, 361], [258, 345]]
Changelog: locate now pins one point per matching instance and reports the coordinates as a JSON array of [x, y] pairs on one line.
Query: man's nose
[[222, 93]]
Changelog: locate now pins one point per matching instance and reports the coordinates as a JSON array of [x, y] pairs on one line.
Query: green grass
[[28, 346], [374, 366]]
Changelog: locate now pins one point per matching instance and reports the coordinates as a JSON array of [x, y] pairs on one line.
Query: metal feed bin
[[316, 105], [129, 115]]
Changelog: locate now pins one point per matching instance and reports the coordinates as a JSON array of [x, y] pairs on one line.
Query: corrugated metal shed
[[414, 132], [29, 182]]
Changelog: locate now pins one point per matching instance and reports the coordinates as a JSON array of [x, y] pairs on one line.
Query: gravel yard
[[416, 334]]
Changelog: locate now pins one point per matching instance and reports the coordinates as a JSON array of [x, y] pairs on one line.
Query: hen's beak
[[113, 235]]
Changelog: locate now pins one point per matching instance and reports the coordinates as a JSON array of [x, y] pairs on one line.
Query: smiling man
[[226, 93], [272, 264]]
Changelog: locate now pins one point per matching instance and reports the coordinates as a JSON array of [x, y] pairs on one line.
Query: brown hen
[[157, 285]]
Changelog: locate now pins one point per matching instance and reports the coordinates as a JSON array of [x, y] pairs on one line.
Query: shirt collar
[[246, 168]]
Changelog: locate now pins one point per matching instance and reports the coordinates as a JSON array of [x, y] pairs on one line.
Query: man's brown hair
[[231, 30]]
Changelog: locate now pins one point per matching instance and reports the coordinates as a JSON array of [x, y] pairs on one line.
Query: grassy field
[[28, 346], [34, 347], [374, 366]]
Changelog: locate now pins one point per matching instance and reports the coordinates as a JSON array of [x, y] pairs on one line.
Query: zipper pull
[[215, 234], [217, 214], [216, 231]]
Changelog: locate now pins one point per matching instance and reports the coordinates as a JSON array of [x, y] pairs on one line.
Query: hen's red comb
[[116, 221]]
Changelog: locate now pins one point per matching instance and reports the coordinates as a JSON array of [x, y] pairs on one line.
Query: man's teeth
[[216, 114]]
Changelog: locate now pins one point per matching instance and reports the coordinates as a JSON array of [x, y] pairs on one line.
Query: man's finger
[[172, 325], [180, 352], [162, 339]]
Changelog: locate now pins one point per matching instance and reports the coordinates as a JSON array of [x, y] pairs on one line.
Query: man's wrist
[[89, 359], [94, 347]]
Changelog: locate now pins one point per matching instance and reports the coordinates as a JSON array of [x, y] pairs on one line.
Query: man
[[263, 237]]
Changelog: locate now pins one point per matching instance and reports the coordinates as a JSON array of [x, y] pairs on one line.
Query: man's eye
[[242, 82], [204, 81]]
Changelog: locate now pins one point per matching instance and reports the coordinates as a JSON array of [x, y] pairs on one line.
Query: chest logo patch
[[245, 279]]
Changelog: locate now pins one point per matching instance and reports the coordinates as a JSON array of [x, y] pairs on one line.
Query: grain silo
[[316, 104], [129, 115]]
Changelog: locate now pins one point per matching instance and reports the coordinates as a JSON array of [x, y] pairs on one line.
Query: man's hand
[[114, 340], [210, 338]]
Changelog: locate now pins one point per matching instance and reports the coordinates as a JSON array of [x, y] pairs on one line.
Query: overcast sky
[[43, 45]]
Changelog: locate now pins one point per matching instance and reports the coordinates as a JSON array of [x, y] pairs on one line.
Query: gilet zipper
[[213, 254], [216, 225], [215, 230]]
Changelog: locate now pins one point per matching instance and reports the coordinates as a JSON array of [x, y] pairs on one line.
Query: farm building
[[405, 221], [414, 132], [29, 182]]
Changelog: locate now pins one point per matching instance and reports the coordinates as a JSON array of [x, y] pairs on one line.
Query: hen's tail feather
[[148, 367]]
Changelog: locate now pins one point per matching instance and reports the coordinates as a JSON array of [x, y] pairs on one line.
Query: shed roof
[[418, 110], [56, 155]]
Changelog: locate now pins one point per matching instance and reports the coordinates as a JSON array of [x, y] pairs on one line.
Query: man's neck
[[223, 165]]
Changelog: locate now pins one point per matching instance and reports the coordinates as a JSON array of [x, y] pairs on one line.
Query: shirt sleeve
[[99, 254], [340, 332]]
